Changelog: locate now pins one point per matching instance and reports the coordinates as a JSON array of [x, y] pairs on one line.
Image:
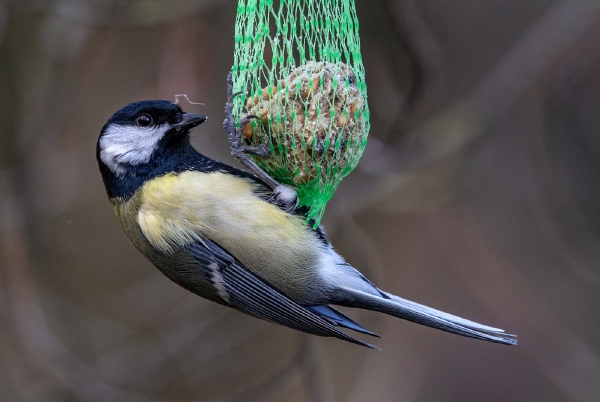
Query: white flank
[[334, 271]]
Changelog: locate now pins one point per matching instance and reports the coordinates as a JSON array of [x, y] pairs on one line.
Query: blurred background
[[478, 194]]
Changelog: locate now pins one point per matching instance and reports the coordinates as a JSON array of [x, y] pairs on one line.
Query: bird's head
[[139, 131]]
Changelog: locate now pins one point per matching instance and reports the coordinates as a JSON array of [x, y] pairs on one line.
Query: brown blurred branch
[[115, 12], [426, 61], [564, 357], [385, 170], [558, 215], [3, 19]]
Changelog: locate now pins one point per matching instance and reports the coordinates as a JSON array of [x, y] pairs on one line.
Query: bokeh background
[[478, 194]]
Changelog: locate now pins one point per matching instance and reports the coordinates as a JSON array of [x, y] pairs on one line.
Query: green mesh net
[[299, 64]]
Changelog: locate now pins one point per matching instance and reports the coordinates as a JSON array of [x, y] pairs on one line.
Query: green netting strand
[[299, 64]]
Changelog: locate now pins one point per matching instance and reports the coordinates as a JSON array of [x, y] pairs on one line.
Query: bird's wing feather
[[248, 293], [337, 318]]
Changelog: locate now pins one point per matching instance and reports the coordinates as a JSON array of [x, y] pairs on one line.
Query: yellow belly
[[177, 209]]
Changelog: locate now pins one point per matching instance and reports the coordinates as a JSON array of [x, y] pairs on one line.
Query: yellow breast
[[177, 209]]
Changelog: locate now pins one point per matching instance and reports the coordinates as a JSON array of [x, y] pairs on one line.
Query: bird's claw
[[247, 118], [283, 196], [262, 150]]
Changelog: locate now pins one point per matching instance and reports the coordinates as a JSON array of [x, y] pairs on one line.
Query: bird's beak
[[189, 121]]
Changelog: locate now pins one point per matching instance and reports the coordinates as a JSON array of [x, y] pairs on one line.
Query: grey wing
[[246, 292]]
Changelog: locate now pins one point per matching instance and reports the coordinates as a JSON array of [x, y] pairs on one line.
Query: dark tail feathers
[[402, 308]]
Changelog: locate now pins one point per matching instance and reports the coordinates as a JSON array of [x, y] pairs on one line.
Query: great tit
[[215, 230]]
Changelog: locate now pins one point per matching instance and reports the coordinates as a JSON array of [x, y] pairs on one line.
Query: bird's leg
[[283, 196]]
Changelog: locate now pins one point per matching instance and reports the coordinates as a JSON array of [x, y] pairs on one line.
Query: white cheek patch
[[129, 145]]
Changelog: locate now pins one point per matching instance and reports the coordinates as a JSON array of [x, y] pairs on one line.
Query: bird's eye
[[144, 120]]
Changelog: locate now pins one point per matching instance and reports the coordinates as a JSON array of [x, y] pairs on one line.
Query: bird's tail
[[408, 310]]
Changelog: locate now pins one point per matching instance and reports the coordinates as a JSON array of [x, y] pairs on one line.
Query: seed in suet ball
[[248, 131]]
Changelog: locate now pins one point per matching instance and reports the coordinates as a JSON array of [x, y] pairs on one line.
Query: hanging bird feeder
[[299, 64]]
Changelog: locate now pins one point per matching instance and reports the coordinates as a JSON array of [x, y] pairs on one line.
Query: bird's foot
[[283, 196], [235, 133]]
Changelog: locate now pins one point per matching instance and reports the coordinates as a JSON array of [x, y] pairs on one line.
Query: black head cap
[[160, 112], [144, 139]]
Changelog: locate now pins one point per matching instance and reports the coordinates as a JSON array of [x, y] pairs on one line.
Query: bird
[[229, 237]]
